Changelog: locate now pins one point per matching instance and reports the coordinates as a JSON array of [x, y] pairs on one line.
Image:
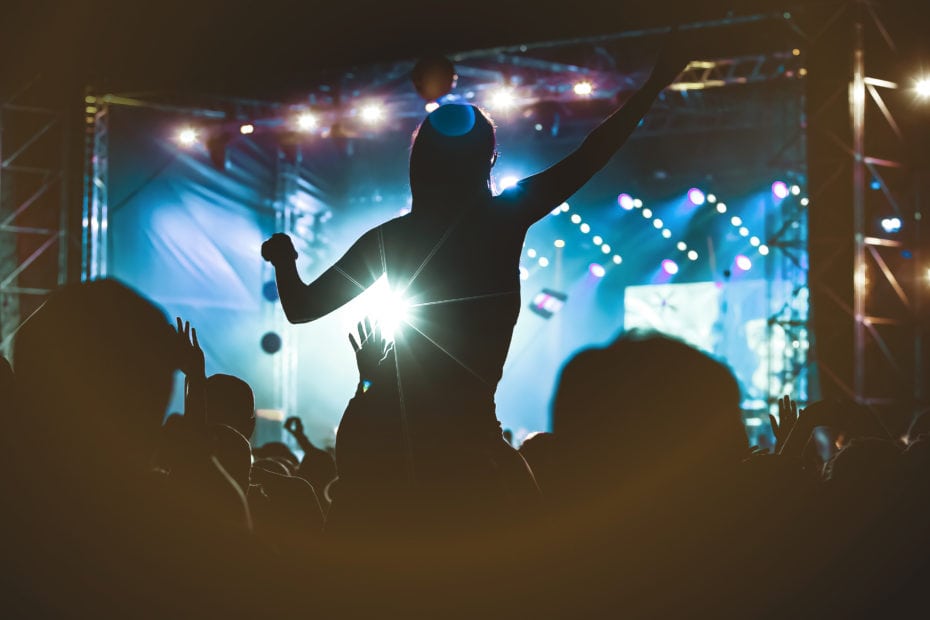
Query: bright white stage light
[[743, 231], [692, 255], [605, 249], [682, 246], [524, 273], [564, 207], [754, 242], [763, 250], [721, 207], [531, 253], [386, 307], [576, 219], [247, 129], [432, 105], [559, 243], [736, 220], [923, 88], [583, 89], [187, 136], [617, 259], [306, 121], [543, 261], [372, 113], [647, 213], [658, 223], [597, 240], [503, 98], [508, 182], [584, 228], [666, 233]]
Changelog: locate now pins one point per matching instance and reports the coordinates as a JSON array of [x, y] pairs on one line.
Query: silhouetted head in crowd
[[648, 399], [452, 155], [96, 366], [865, 463], [230, 401], [273, 466], [278, 451], [233, 452]]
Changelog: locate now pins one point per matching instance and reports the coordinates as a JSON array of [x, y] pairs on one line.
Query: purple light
[[669, 266], [625, 201], [780, 189], [743, 263], [696, 196], [596, 270]]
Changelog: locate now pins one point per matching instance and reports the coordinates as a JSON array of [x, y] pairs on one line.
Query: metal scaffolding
[[33, 209]]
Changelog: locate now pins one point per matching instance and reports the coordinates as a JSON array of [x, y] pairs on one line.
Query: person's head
[[96, 366], [278, 451], [232, 450], [230, 401], [649, 398], [452, 155]]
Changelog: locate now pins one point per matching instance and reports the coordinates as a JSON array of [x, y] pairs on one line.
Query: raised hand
[[191, 360], [371, 349], [294, 426], [787, 418], [279, 249]]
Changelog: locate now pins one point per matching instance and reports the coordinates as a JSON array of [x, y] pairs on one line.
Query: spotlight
[[696, 196], [780, 189], [682, 246], [805, 201], [597, 240], [795, 190], [306, 121], [559, 243], [596, 270], [736, 220], [923, 88], [531, 253], [647, 213], [692, 255], [721, 207], [754, 242], [666, 233], [583, 89], [576, 219], [743, 231], [508, 182], [743, 263], [372, 113], [617, 259], [564, 206], [711, 198], [669, 266], [605, 249], [503, 98], [524, 273], [764, 250], [247, 129], [891, 224], [187, 136], [657, 223], [432, 105], [543, 261], [556, 211], [637, 203], [584, 228], [625, 201]]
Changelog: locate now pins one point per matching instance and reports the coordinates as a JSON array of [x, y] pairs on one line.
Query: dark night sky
[[252, 47]]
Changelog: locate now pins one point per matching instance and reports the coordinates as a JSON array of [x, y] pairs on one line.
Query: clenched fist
[[279, 249]]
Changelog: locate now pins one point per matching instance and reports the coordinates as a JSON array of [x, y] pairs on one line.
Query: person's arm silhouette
[[353, 273], [542, 192]]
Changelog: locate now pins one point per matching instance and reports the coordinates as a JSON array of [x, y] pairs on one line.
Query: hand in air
[[278, 249], [787, 418], [191, 360], [294, 426], [371, 349]]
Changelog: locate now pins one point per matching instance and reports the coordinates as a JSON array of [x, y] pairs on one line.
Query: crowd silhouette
[[645, 500]]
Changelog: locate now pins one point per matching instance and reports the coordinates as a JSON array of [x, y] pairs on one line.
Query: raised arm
[[352, 274], [542, 192]]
